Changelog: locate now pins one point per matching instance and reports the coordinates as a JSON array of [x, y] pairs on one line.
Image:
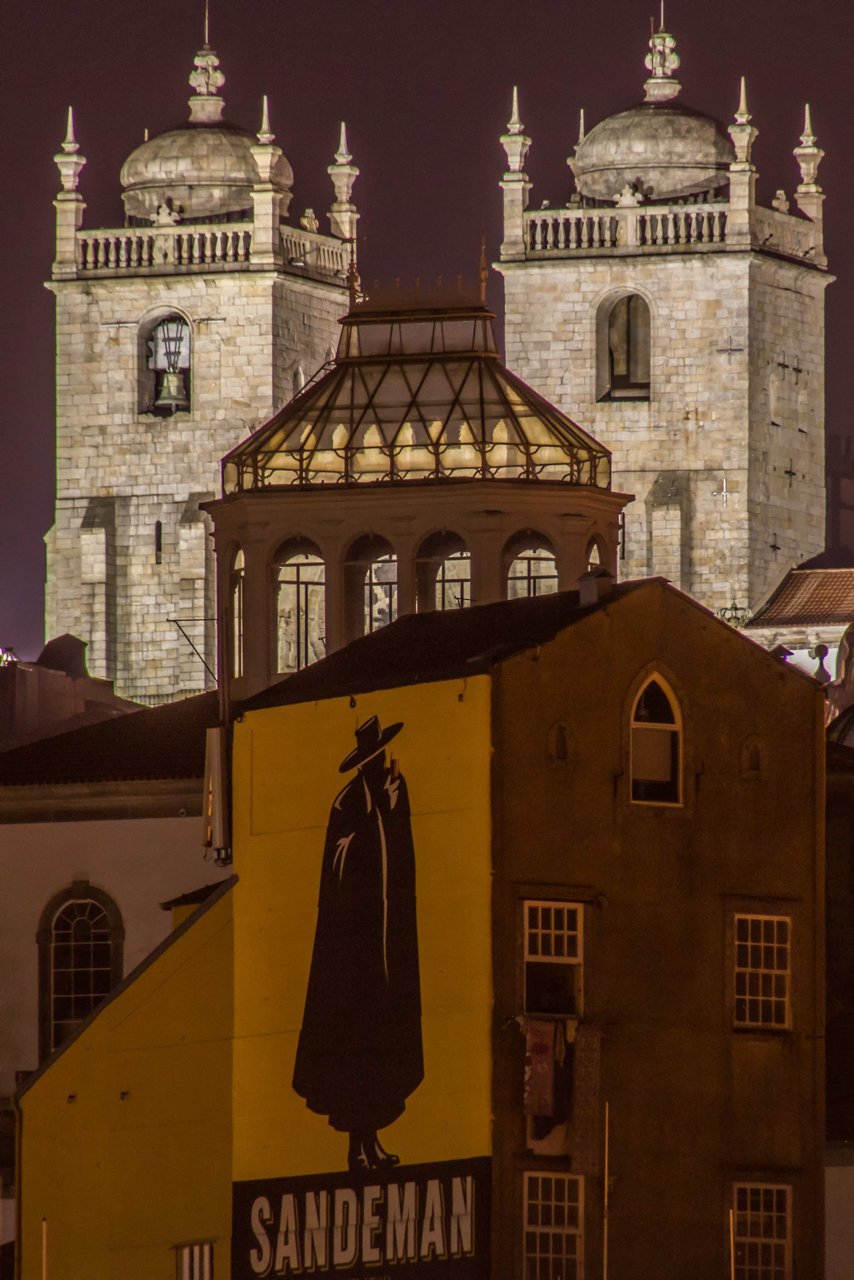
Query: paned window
[[453, 581], [554, 1227], [443, 572], [80, 965], [301, 610], [762, 1231], [380, 592], [532, 573], [553, 958], [762, 972], [195, 1261], [656, 733]]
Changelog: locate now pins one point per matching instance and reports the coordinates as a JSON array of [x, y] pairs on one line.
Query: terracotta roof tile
[[809, 598]]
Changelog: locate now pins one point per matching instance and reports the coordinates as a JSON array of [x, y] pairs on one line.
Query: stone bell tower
[[175, 336], [683, 324]]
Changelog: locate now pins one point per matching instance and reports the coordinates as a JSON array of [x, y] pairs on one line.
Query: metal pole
[[731, 1245], [607, 1193], [44, 1248]]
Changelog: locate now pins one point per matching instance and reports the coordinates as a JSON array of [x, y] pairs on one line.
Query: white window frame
[[545, 1239], [760, 1255], [758, 984], [535, 955], [195, 1261]]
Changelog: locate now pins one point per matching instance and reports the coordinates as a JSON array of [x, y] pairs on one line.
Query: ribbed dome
[[201, 170], [204, 169], [663, 150]]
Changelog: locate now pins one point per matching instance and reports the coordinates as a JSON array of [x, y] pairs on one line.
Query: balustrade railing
[[134, 249], [315, 252], [651, 228]]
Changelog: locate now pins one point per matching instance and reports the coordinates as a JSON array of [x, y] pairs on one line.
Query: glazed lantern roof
[[413, 395]]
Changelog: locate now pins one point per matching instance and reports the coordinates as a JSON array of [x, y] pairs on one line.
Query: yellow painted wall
[[121, 1180], [286, 776]]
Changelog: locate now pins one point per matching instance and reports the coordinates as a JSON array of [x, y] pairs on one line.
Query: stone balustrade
[[319, 254], [651, 229], [203, 247]]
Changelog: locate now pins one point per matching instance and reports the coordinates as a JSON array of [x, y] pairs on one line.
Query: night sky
[[424, 86]]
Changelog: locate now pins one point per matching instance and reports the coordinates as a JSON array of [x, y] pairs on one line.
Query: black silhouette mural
[[359, 1055]]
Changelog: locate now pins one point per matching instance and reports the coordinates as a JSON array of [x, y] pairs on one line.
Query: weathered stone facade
[[723, 446], [129, 558]]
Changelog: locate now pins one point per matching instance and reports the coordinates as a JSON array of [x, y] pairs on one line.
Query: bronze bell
[[173, 394]]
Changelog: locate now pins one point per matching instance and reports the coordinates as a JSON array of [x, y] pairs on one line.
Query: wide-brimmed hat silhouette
[[370, 740]]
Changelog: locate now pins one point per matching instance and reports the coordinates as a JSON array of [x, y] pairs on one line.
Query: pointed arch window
[[624, 350], [80, 940], [443, 569], [235, 601], [656, 745], [531, 567], [300, 606]]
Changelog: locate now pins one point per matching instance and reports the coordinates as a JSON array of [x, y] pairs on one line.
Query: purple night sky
[[424, 86]]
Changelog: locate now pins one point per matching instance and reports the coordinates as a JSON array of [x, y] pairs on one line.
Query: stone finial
[[514, 141], [742, 115], [661, 61], [809, 156], [68, 161], [742, 132], [581, 134], [780, 201], [206, 106], [265, 136], [343, 216]]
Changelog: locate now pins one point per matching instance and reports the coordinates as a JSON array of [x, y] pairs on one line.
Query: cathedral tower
[[176, 335], [683, 324]]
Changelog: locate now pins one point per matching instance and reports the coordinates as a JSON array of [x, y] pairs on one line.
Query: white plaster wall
[[139, 862]]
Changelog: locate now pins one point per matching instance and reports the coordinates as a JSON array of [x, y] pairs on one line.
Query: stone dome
[[203, 169], [662, 150], [658, 150]]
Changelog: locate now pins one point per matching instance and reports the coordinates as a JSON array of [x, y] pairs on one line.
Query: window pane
[[301, 612], [533, 573]]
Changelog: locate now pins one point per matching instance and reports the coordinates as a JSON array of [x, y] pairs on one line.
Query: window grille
[[554, 1227], [453, 581], [195, 1261], [762, 971], [81, 965], [762, 1231], [301, 611], [532, 573], [380, 592], [553, 957]]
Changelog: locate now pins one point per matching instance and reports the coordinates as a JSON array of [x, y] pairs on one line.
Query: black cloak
[[359, 1054]]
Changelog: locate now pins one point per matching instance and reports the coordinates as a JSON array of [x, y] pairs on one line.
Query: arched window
[[235, 606], [165, 381], [443, 570], [531, 567], [80, 942], [656, 751], [371, 585], [595, 556], [300, 606], [624, 350]]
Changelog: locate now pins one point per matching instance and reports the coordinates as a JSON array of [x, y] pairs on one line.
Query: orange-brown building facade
[[521, 975]]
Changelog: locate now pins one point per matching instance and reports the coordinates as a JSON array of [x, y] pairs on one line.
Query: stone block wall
[[718, 322], [112, 577]]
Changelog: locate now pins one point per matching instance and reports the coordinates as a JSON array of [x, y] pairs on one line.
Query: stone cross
[[729, 350], [723, 492]]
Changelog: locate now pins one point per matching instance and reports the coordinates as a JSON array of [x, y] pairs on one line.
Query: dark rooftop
[[154, 743], [422, 647]]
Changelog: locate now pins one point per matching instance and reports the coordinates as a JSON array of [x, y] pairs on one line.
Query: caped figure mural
[[359, 1055]]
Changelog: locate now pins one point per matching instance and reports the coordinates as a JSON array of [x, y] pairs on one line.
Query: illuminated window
[[554, 1226], [235, 601], [553, 957], [443, 570], [165, 380], [80, 960], [370, 585], [655, 749], [625, 349], [195, 1261], [762, 972], [300, 607], [381, 592], [532, 568], [763, 1231]]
